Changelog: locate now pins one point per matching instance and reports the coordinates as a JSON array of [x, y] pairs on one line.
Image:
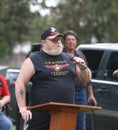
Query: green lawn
[[14, 128]]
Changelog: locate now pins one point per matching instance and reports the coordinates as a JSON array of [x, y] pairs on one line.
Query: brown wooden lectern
[[63, 116]]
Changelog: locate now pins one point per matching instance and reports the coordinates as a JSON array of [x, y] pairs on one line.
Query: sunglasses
[[55, 40]]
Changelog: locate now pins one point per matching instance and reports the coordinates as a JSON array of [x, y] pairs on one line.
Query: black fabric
[[52, 82], [53, 78], [50, 32], [40, 121]]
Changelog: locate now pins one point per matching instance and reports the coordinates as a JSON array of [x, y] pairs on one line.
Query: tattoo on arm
[[21, 92]]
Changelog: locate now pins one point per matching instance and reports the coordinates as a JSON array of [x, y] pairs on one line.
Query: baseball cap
[[50, 33]]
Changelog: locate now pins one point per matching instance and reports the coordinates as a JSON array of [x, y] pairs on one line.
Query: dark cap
[[50, 33]]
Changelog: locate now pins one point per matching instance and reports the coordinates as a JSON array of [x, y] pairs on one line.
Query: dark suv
[[103, 61]]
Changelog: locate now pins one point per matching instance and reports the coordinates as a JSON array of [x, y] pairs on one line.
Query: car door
[[106, 90], [109, 85], [94, 58]]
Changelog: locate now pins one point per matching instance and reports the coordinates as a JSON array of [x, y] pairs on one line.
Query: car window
[[12, 75], [112, 65], [3, 70], [93, 58]]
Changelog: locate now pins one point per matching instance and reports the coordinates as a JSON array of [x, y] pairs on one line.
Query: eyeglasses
[[55, 40]]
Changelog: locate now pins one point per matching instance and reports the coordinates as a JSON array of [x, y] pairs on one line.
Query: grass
[[14, 127]]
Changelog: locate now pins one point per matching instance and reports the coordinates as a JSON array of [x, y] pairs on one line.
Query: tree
[[15, 18], [19, 24], [88, 18]]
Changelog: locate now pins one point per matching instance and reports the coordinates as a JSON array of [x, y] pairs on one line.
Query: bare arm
[[26, 72], [83, 74], [4, 100], [91, 97]]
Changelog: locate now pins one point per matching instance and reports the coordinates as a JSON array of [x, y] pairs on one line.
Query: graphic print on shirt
[[57, 67]]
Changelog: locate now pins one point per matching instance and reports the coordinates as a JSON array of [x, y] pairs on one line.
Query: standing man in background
[[70, 42], [5, 122]]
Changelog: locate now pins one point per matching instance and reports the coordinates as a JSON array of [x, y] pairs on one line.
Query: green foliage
[[15, 17], [88, 18], [37, 26], [19, 24]]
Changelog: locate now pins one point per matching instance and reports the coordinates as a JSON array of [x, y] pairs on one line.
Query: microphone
[[79, 63]]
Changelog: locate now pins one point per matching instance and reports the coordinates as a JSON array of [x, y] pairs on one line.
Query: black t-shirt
[[53, 79]]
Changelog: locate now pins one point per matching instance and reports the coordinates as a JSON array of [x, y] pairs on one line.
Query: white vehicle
[[3, 70], [12, 74]]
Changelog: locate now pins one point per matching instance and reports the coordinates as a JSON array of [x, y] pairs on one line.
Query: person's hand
[[26, 114], [92, 101], [80, 63]]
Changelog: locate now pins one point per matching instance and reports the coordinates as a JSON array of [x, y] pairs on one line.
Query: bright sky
[[50, 3], [43, 12]]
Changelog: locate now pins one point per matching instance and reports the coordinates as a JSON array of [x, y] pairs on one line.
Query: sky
[[43, 12]]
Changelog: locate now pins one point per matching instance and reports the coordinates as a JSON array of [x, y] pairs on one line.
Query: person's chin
[[53, 53], [56, 53]]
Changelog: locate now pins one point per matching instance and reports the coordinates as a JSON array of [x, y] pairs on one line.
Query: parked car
[[103, 61], [3, 70]]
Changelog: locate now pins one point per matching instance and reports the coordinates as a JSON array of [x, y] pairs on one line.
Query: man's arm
[[91, 98], [84, 74], [26, 72], [4, 100]]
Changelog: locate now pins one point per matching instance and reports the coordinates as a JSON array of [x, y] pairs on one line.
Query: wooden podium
[[63, 116]]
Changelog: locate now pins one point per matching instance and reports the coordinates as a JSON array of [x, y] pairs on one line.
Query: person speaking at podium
[[52, 73]]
